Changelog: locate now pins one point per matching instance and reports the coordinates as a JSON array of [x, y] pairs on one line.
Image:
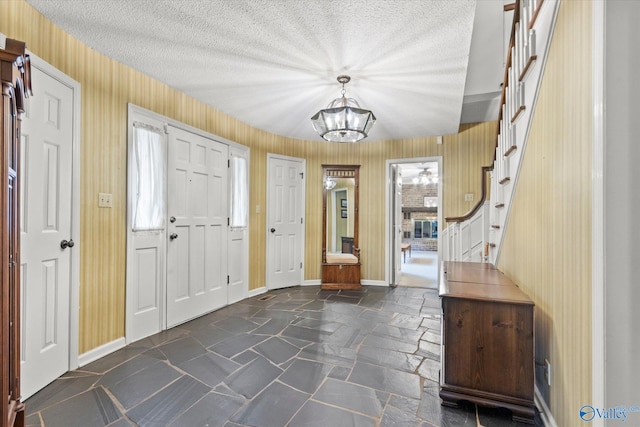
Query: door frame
[[303, 213], [74, 288], [389, 214]]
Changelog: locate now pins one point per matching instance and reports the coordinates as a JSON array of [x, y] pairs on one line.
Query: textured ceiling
[[273, 63]]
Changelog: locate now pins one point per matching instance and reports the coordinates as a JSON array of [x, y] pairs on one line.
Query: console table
[[487, 340]]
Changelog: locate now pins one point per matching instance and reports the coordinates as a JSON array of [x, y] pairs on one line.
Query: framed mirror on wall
[[340, 250]]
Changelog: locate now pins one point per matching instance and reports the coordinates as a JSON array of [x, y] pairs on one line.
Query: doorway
[[414, 215], [285, 221], [50, 228]]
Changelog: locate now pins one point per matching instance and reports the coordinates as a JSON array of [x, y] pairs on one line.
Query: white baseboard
[[374, 283], [545, 412], [315, 282], [103, 350]]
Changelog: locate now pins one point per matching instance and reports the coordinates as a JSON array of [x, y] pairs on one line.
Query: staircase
[[478, 235]]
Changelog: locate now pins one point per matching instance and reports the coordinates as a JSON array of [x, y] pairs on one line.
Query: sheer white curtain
[[239, 192], [149, 202]]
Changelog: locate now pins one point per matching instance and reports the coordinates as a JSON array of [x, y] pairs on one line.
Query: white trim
[[314, 282], [303, 165], [256, 292], [545, 412], [388, 213], [598, 322], [74, 296], [99, 352], [374, 283]]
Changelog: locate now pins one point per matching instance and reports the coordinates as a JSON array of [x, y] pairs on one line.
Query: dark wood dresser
[[487, 340]]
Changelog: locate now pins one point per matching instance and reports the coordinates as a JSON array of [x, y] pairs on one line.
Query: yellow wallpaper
[[107, 86], [547, 246]]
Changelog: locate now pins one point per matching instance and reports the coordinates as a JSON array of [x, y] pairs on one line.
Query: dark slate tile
[[315, 305], [429, 349], [210, 335], [288, 305], [32, 420], [161, 338], [245, 357], [181, 350], [318, 325], [305, 375], [390, 343], [350, 396], [298, 343], [126, 369], [122, 422], [432, 323], [237, 325], [315, 414], [386, 379], [253, 378], [277, 350], [405, 404], [59, 390], [169, 403], [403, 334], [344, 299], [210, 368], [340, 373], [430, 369], [431, 409], [272, 327], [305, 334], [287, 316], [137, 387], [375, 316], [155, 354], [432, 336], [260, 411], [236, 344], [395, 417], [406, 321], [91, 408], [212, 410], [389, 358], [346, 336], [108, 362], [329, 353]]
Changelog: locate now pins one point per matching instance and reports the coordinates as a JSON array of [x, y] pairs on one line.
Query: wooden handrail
[[483, 198]]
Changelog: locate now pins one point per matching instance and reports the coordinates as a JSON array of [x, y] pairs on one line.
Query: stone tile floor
[[292, 357]]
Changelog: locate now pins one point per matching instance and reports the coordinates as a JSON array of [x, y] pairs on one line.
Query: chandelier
[[343, 120], [425, 177]]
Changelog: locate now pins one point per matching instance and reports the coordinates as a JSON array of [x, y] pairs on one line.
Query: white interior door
[[396, 224], [197, 231], [285, 222], [46, 222]]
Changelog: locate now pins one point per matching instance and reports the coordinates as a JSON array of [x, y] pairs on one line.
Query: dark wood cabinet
[[15, 78], [487, 340]]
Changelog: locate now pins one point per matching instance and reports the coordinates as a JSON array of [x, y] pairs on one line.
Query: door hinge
[[300, 265], [301, 175], [301, 221], [228, 221], [228, 279]]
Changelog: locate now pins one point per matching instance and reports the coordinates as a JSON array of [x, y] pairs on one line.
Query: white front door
[[396, 224], [285, 222], [46, 193], [197, 272]]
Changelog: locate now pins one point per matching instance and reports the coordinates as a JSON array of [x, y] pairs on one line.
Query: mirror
[[340, 226]]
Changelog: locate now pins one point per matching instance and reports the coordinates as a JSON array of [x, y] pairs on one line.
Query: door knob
[[172, 219], [173, 236], [67, 244], [273, 230]]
